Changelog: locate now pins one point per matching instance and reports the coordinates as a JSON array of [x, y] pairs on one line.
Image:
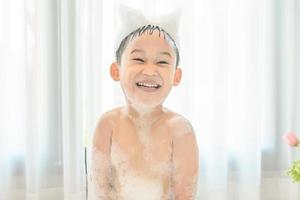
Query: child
[[143, 151]]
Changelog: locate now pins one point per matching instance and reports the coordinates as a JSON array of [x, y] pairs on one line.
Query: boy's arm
[[100, 169], [185, 162]]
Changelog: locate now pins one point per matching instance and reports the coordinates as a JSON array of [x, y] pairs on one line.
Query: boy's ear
[[114, 71], [177, 76]]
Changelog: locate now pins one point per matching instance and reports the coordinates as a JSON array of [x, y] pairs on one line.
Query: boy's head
[[147, 66], [148, 29]]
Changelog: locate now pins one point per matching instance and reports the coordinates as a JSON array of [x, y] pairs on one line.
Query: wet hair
[[149, 29]]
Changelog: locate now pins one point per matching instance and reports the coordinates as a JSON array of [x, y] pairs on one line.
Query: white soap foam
[[142, 109], [122, 183], [132, 185], [98, 179], [192, 189], [137, 188], [143, 124]]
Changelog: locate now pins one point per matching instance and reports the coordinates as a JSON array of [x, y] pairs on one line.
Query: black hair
[[149, 29]]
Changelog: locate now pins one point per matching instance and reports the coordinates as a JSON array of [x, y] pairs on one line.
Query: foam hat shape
[[132, 19]]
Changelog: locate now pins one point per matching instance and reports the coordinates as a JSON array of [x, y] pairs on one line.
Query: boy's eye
[[138, 59], [162, 62]]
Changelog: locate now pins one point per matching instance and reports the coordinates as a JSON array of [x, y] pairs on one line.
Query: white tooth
[[147, 85]]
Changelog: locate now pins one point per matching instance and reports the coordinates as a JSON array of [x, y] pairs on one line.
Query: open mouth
[[149, 87]]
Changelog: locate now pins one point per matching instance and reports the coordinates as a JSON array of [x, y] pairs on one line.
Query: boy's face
[[147, 71]]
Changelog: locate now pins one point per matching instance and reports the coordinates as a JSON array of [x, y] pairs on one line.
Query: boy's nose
[[150, 70]]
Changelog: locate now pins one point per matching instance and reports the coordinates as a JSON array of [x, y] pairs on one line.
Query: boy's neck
[[138, 112]]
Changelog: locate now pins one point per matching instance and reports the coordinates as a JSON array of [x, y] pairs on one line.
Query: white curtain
[[240, 90], [42, 104]]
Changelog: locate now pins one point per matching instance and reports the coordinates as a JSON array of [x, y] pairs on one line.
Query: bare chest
[[144, 150], [141, 158]]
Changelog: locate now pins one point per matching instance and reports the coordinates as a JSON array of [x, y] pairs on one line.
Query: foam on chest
[[142, 169]]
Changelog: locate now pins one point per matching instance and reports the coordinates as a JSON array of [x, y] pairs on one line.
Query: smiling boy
[[143, 151]]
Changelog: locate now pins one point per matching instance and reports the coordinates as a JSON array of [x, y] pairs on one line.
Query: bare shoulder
[[110, 116], [104, 127], [180, 126], [183, 135]]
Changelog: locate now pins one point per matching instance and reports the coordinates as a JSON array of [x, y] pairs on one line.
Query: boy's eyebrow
[[136, 50], [163, 52], [166, 53]]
